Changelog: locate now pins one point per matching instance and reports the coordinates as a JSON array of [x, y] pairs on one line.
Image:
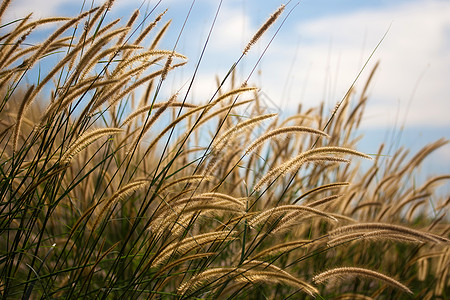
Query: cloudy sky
[[316, 55]]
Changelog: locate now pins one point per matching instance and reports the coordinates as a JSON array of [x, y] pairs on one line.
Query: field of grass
[[106, 193]]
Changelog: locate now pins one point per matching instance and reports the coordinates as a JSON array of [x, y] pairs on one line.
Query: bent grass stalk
[[84, 140], [310, 155], [285, 130], [408, 232], [360, 272]]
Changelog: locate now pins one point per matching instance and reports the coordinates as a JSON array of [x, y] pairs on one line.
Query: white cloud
[[231, 31], [20, 8], [409, 88], [69, 8], [319, 58], [414, 57]]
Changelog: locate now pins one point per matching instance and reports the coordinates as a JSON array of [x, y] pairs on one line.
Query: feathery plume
[[308, 156], [377, 234], [409, 232], [167, 66], [292, 164], [120, 194], [147, 108], [86, 139], [20, 115], [233, 92], [321, 188], [160, 35], [3, 7], [323, 200], [282, 248], [285, 130], [231, 133], [150, 122], [188, 244], [58, 32], [145, 55], [187, 179], [264, 28], [288, 208], [147, 29], [353, 271]]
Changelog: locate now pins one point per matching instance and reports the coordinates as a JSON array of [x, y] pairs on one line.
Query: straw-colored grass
[[107, 193]]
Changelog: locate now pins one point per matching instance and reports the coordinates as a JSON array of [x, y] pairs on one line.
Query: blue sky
[[318, 52], [316, 56]]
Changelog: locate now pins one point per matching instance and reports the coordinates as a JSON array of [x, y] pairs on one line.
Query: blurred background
[[315, 56]]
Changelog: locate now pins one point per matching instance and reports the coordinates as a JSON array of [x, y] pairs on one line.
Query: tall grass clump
[[106, 193]]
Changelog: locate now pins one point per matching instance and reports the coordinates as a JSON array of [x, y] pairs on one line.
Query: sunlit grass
[[107, 193]]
